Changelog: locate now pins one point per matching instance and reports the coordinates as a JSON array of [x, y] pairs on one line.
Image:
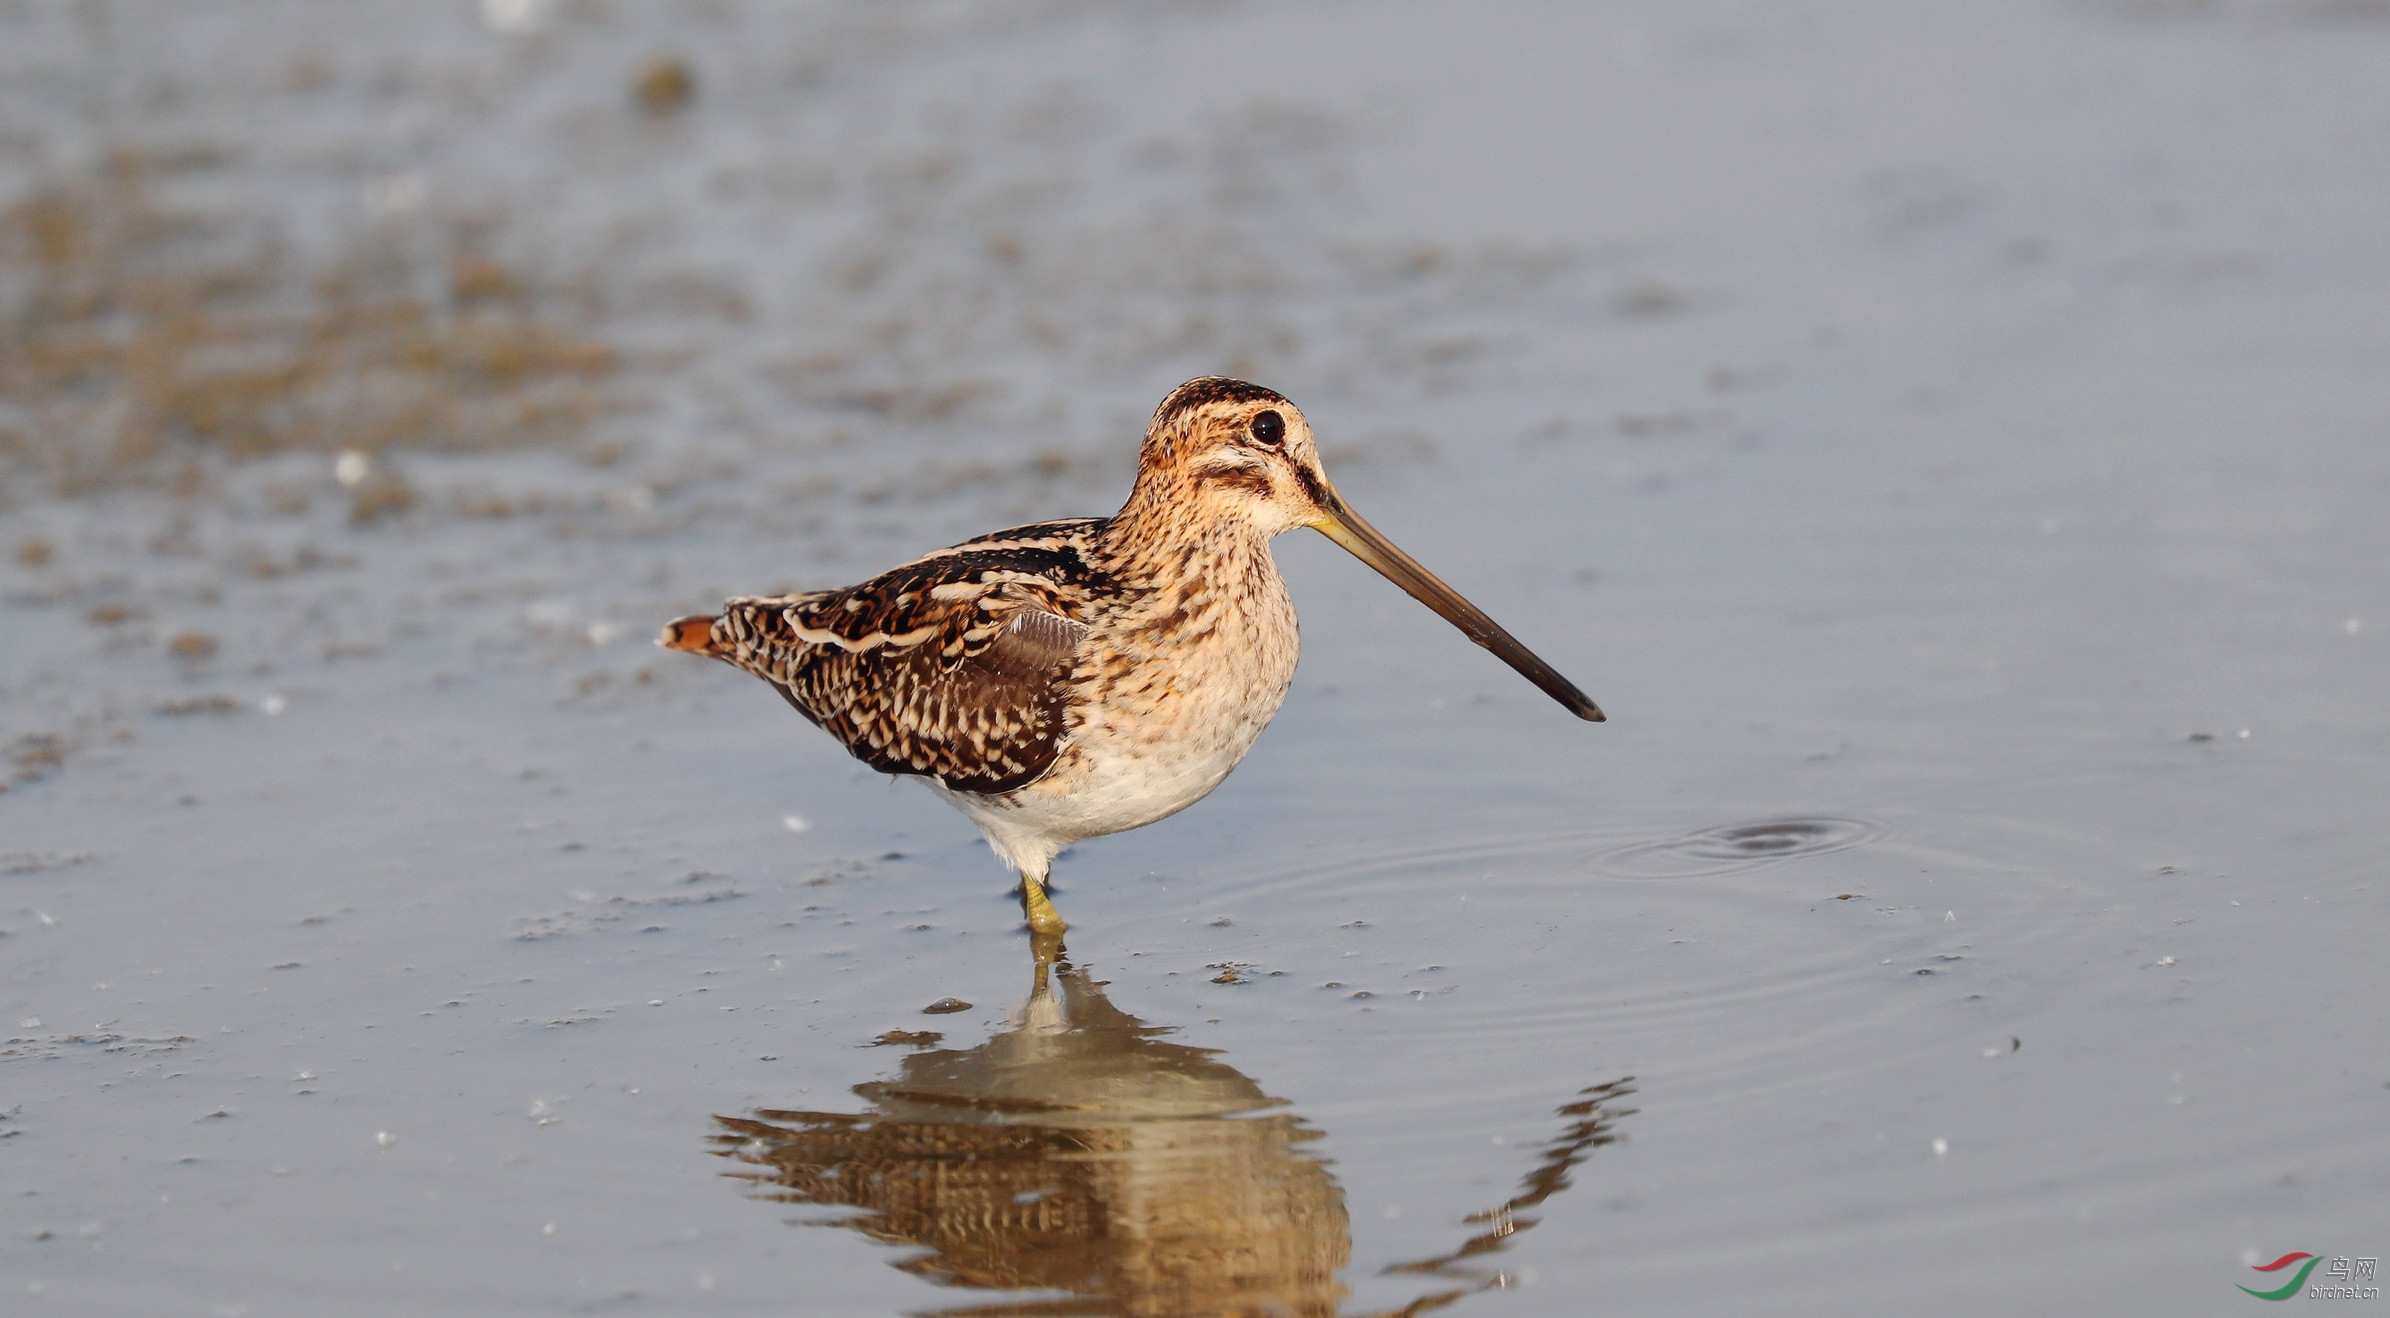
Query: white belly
[[1150, 746]]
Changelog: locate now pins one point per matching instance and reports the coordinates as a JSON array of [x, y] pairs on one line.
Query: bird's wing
[[950, 666]]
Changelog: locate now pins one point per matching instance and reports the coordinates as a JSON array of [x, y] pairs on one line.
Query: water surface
[[1945, 438]]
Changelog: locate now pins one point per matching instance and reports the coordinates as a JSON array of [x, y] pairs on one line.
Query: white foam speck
[[514, 17]]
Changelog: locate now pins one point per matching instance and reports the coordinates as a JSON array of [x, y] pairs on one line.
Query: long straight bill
[[1345, 527]]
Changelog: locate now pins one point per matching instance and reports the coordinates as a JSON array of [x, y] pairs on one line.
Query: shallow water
[[1947, 440]]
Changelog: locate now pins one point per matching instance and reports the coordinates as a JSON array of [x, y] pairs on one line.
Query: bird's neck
[[1177, 539], [1169, 518]]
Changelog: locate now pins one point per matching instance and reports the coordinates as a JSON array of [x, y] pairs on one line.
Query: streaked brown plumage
[[944, 667], [1076, 678]]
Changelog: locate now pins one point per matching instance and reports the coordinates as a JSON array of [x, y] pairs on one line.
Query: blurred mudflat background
[[1951, 440]]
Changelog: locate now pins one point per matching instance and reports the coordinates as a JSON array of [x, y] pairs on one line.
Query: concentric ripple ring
[[1732, 847]]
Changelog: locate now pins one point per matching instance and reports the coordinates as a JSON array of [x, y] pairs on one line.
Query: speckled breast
[[1165, 700]]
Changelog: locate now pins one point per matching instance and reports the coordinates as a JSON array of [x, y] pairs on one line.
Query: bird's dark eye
[[1268, 428]]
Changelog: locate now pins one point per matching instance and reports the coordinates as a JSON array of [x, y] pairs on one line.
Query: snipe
[[1076, 678]]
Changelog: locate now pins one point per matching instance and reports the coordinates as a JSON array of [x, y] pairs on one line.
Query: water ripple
[[1734, 847]]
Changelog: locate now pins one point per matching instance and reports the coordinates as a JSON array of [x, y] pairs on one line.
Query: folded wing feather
[[952, 667]]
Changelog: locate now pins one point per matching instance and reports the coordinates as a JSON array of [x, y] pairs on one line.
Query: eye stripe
[[1254, 482], [1311, 486]]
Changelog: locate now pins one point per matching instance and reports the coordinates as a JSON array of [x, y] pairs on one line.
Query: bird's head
[[1230, 451], [1221, 451]]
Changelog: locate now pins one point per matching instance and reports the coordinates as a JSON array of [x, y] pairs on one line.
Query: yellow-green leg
[[1044, 920]]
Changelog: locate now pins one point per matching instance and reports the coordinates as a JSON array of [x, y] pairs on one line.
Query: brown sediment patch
[[131, 332], [664, 84], [37, 755]]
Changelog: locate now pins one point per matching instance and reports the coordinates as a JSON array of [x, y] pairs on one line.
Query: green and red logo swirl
[[2292, 1286]]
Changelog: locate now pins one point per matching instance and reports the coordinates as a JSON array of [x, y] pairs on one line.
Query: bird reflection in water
[[1079, 1152]]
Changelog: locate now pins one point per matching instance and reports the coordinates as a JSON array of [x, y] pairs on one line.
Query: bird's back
[[951, 666]]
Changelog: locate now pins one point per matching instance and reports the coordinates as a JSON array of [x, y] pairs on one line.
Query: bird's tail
[[694, 634]]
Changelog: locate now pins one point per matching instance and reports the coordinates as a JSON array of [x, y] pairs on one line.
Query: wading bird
[[1076, 678]]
